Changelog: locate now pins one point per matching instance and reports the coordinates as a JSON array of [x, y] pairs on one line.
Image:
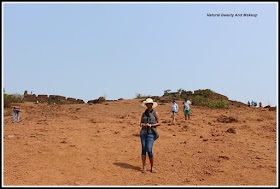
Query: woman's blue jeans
[[147, 141], [16, 112]]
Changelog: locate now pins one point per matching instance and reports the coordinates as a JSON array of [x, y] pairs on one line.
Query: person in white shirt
[[187, 109], [174, 110]]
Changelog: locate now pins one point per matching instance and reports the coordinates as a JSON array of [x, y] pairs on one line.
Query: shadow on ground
[[128, 166]]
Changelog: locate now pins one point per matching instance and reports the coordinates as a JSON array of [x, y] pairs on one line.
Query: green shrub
[[12, 98], [166, 92], [205, 93], [217, 104], [197, 99], [177, 96], [55, 101], [181, 91], [61, 102], [200, 100], [184, 96], [139, 96]]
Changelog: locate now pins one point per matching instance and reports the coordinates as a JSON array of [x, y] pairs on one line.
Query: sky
[[119, 50]]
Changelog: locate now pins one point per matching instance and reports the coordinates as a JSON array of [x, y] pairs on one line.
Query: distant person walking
[[16, 110], [148, 133], [248, 103], [174, 110], [260, 104], [187, 109]]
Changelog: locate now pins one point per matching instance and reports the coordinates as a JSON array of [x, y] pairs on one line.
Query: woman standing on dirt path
[[148, 133], [174, 110]]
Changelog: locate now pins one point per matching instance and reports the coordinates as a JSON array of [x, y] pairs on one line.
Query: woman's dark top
[[149, 117]]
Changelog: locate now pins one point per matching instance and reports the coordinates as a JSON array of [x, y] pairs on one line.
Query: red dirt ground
[[99, 144]]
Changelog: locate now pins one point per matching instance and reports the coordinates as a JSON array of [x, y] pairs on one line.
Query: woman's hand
[[143, 125], [146, 125]]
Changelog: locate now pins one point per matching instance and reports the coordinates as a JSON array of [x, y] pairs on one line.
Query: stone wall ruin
[[57, 99]]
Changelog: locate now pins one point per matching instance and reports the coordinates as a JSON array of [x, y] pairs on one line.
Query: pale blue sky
[[89, 50]]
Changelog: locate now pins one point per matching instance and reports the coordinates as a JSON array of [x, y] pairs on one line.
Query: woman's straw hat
[[147, 101]]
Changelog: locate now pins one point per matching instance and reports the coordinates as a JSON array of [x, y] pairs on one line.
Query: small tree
[[140, 96], [166, 92], [180, 90]]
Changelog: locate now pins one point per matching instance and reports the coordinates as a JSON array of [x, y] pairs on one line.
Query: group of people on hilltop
[[253, 103], [149, 123]]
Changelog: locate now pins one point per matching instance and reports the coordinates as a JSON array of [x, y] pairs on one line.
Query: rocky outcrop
[[155, 98], [97, 101], [226, 119], [272, 108], [30, 98], [238, 104], [70, 100], [80, 101], [56, 99], [166, 99], [42, 98]]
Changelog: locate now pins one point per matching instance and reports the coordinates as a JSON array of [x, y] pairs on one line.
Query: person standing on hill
[[260, 104], [148, 133], [174, 110], [16, 110], [248, 104], [252, 103], [187, 109]]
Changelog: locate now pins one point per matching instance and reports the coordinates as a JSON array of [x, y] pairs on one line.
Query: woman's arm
[[141, 121], [158, 122]]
